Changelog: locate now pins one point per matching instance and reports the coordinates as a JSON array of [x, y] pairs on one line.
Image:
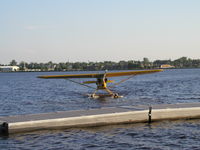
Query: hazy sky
[[98, 30]]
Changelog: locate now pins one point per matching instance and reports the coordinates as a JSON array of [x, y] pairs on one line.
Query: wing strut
[[115, 84], [80, 83]]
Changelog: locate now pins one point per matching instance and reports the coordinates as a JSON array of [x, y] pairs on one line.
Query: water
[[23, 93]]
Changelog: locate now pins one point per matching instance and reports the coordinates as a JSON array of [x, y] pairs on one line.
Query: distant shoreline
[[93, 70], [181, 63]]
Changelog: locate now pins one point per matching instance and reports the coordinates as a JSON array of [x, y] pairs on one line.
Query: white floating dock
[[98, 117]]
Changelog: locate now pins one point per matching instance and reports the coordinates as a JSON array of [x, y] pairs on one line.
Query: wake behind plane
[[101, 80]]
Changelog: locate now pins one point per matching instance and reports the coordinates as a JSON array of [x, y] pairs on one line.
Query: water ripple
[[23, 93]]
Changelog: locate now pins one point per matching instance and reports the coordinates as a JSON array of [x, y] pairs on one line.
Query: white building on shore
[[9, 68], [166, 66]]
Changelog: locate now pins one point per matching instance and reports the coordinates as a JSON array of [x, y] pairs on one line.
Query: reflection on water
[[23, 93]]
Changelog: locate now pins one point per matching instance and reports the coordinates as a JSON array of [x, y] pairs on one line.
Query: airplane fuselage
[[101, 83]]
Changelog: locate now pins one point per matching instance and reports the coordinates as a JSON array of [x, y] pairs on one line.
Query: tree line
[[182, 62]]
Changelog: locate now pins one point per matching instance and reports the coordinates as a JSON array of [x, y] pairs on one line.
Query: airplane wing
[[111, 74], [70, 76], [116, 74]]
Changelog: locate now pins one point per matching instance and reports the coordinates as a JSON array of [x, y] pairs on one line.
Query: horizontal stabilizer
[[110, 81], [90, 82]]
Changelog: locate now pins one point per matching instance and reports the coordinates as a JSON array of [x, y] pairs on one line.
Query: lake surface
[[23, 93]]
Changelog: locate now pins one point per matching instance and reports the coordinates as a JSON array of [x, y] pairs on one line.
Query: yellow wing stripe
[[111, 74]]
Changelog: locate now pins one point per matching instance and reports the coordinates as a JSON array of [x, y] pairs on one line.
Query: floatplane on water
[[101, 80]]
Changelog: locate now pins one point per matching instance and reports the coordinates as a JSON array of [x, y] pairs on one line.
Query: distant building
[[165, 66], [9, 68]]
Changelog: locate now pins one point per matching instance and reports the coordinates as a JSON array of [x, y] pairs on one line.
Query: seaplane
[[101, 80]]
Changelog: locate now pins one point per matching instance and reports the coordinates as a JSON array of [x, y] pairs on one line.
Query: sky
[[98, 30]]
